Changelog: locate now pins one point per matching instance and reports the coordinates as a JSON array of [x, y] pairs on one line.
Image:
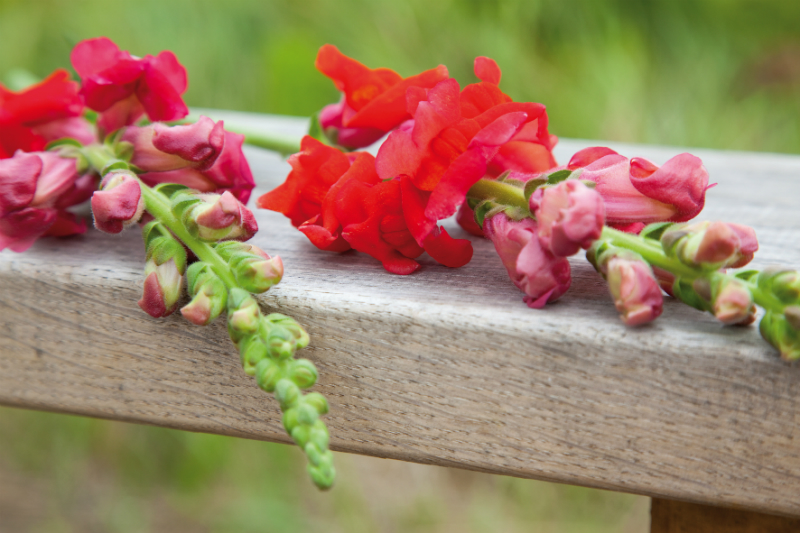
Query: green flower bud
[[318, 401], [290, 324], [290, 419], [243, 314], [300, 435], [287, 393], [209, 294], [281, 342], [303, 373], [306, 414], [786, 286], [253, 352], [319, 435], [322, 477], [268, 374], [780, 333]]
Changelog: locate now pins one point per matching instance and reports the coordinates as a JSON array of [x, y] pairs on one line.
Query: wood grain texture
[[446, 366], [668, 516]]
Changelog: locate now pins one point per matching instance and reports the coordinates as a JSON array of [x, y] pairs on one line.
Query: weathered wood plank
[[446, 366], [668, 516]]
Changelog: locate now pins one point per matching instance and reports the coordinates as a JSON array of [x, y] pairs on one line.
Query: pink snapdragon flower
[[35, 190], [160, 148], [570, 217], [535, 271], [221, 217], [202, 156], [123, 87], [636, 191]]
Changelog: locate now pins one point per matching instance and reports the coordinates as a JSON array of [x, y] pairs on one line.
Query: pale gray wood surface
[[446, 366]]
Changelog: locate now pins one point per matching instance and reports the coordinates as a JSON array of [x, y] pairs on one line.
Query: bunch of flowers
[[471, 152], [475, 152], [106, 139]]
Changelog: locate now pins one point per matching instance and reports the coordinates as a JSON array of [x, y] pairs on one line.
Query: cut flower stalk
[[225, 275]]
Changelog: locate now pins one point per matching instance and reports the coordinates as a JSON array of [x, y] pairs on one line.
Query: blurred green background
[[703, 73]]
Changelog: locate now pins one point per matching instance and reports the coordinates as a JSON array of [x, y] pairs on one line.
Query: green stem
[[159, 207], [275, 143], [100, 156], [500, 192], [654, 254]]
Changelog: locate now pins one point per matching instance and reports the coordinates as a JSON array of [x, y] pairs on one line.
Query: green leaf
[[486, 208], [115, 165], [656, 230], [316, 131], [66, 141], [558, 176], [169, 189], [531, 186], [746, 275]]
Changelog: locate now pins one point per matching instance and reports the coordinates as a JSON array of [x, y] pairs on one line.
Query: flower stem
[[277, 143], [503, 193], [157, 205], [654, 254]]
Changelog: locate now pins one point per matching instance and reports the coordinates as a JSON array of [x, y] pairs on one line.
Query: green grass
[[704, 73]]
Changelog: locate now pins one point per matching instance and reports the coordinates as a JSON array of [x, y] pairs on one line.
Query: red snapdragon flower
[[339, 202], [373, 100], [44, 112], [124, 87], [315, 169], [451, 143], [35, 190], [638, 192], [202, 156]]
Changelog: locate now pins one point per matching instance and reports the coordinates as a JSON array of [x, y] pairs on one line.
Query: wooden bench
[[447, 366]]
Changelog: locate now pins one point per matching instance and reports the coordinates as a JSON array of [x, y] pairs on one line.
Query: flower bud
[[209, 294], [786, 286], [267, 373], [215, 217], [318, 401], [533, 269], [303, 373], [732, 302], [637, 295], [570, 216], [257, 274], [287, 393], [243, 314], [713, 245], [162, 288], [781, 332], [290, 324], [119, 202]]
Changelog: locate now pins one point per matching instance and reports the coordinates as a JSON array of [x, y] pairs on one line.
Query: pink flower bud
[[532, 268], [119, 203], [570, 217], [162, 288], [161, 148], [733, 303], [636, 190], [713, 244], [35, 188], [257, 274], [221, 217], [635, 290]]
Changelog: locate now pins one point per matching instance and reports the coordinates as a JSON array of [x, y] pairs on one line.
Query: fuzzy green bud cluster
[[267, 345]]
